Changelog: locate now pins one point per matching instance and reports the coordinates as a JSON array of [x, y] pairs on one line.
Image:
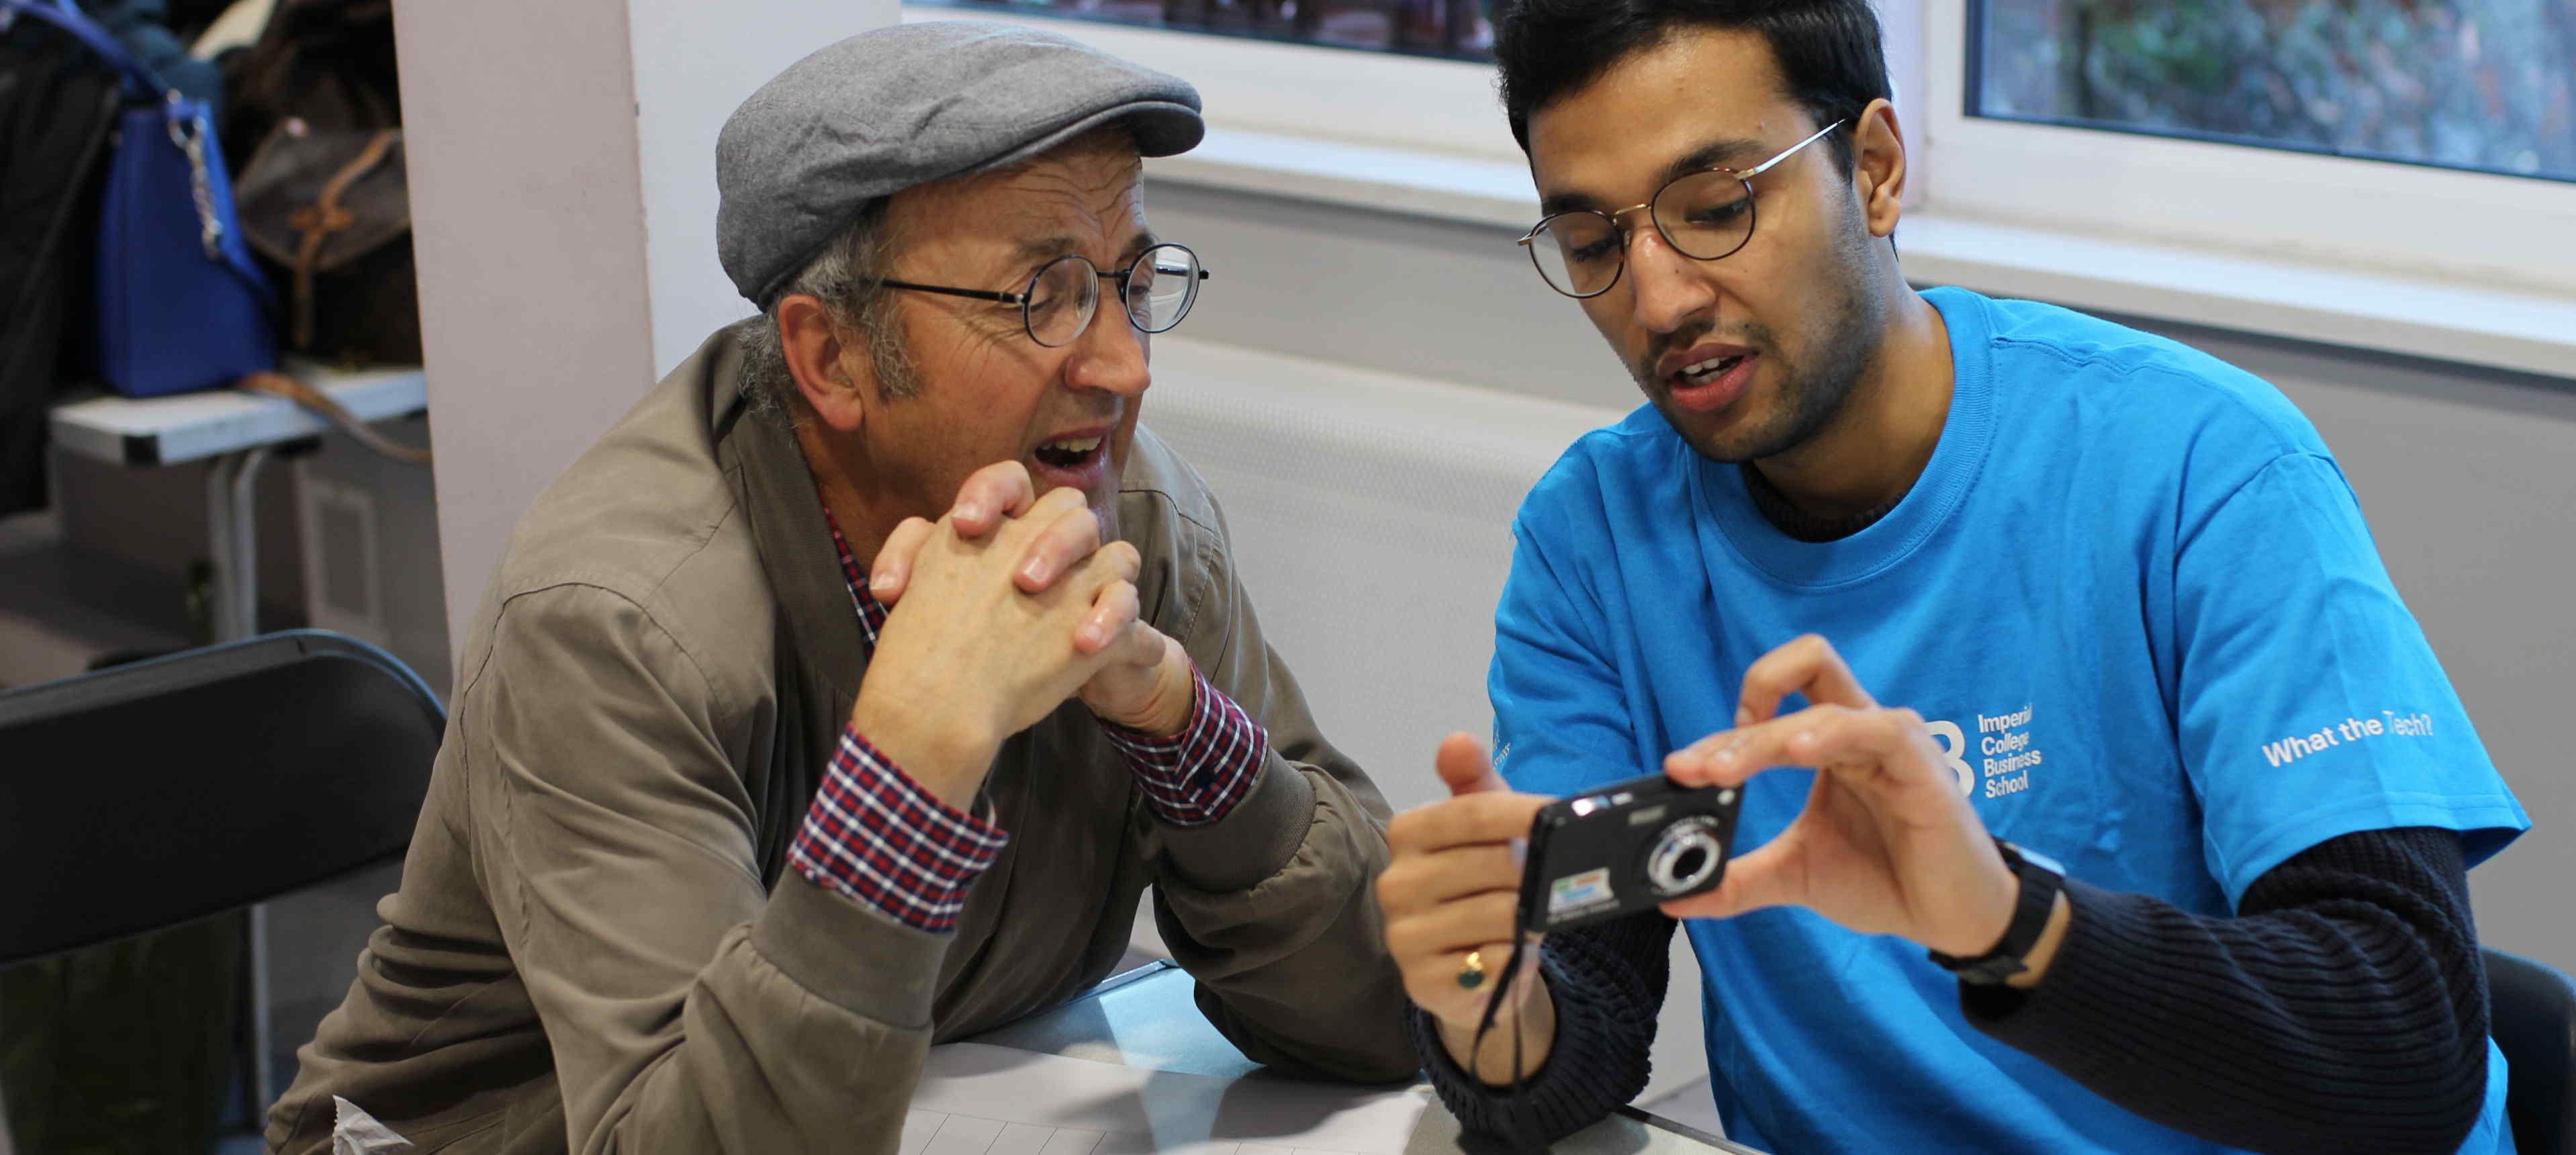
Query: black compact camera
[[1624, 848]]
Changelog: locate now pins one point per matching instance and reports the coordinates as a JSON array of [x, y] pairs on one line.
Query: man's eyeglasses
[[1060, 300], [1704, 215]]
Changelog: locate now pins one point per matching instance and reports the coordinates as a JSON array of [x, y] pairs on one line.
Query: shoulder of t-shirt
[[1635, 450], [2151, 401]]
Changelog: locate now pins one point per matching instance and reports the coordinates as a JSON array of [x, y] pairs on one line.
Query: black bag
[[58, 106], [324, 196]]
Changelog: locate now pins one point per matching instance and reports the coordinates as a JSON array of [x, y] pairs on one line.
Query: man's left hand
[[1886, 844], [1151, 697]]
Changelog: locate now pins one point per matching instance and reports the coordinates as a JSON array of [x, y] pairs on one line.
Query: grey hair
[[843, 276]]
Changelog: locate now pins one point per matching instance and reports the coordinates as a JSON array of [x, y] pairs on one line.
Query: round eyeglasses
[[1159, 287], [1703, 215]]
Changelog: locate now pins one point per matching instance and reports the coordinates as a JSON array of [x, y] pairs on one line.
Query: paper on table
[[355, 1132], [975, 1099]]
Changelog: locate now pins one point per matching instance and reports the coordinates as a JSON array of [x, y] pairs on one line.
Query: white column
[[563, 196], [1901, 39]]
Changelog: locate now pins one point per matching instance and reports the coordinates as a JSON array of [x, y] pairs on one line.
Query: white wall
[[563, 206]]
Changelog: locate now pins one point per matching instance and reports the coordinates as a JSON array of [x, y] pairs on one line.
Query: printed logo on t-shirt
[[2003, 749]]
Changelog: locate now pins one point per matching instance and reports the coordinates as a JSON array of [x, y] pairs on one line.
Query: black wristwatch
[[2041, 880]]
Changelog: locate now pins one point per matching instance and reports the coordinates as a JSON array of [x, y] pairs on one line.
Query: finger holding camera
[[1450, 893], [1886, 843]]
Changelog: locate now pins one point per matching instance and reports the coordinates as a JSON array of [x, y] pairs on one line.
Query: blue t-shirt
[[2136, 599]]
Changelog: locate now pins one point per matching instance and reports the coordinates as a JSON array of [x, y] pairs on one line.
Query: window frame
[[1304, 91], [2235, 198]]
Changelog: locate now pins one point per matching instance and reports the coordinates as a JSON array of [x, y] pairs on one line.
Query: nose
[[1110, 354], [1665, 288]]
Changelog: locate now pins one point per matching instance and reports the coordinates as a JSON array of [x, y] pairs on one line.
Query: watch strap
[[2041, 881]]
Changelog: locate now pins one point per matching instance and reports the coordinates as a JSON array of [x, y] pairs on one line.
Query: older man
[[718, 845]]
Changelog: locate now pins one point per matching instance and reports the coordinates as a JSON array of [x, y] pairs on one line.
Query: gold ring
[[1472, 975]]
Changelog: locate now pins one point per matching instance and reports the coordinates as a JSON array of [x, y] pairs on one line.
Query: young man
[[2115, 596], [717, 846]]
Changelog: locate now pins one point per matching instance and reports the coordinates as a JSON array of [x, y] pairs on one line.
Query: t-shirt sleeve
[[1561, 722], [2310, 703]]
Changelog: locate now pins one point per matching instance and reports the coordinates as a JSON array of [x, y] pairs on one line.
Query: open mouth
[[1709, 370], [1712, 382], [1070, 452]]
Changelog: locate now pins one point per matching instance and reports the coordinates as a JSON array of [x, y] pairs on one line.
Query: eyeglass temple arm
[[1747, 174], [977, 294], [989, 295], [1786, 153]]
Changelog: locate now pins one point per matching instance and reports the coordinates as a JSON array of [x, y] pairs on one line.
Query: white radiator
[[1371, 517]]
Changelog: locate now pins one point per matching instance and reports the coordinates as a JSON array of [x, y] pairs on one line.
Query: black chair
[[2533, 1009], [145, 796]]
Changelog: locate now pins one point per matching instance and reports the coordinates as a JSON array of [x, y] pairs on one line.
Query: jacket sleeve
[[687, 1009], [1272, 908]]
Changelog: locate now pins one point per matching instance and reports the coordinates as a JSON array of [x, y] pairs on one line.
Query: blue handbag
[[181, 304]]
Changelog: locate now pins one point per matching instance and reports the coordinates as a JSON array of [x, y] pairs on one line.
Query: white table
[[236, 431], [1147, 1018]]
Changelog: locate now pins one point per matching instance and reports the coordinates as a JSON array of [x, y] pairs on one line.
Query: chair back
[[2533, 1008], [150, 795]]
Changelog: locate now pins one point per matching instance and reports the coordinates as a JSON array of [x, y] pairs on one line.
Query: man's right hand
[[1452, 886], [968, 659]]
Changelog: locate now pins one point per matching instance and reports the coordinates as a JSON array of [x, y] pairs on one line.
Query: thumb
[[1754, 881], [1464, 767]]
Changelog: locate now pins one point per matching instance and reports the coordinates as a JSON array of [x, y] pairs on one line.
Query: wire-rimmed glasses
[[1160, 285], [1704, 215]]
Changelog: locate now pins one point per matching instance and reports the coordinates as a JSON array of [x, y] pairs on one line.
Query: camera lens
[[1683, 857]]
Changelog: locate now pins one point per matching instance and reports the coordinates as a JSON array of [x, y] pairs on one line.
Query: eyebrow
[[1039, 250], [1722, 151]]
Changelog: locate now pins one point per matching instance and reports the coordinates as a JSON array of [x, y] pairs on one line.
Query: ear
[[834, 383], [1878, 166]]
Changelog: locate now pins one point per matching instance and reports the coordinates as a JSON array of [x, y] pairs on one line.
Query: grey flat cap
[[896, 107]]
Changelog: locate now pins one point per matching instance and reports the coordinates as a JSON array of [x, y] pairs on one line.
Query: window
[[1457, 29], [2266, 127], [2487, 85]]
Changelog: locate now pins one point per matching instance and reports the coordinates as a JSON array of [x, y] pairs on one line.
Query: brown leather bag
[[329, 213]]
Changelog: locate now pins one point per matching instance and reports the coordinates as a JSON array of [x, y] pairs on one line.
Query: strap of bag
[[321, 404], [98, 40], [193, 136], [187, 123], [324, 217]]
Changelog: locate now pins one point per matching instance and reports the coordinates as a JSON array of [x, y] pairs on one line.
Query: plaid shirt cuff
[[1196, 776], [877, 837]]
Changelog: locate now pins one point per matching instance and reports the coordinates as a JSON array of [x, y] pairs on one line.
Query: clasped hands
[[999, 611]]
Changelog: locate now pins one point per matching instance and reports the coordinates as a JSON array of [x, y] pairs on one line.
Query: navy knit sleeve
[[1608, 983], [2344, 1008]]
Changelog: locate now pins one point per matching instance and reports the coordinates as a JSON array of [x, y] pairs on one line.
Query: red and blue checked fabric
[[875, 835], [1196, 776], [872, 613]]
